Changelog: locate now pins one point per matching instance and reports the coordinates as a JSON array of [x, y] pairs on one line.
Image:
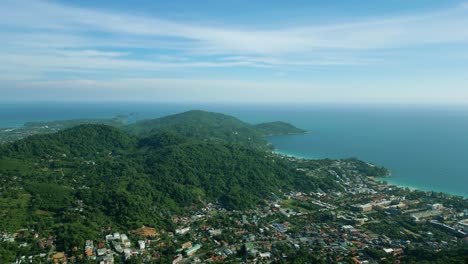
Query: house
[[59, 258], [186, 245], [464, 225], [101, 251], [141, 244], [108, 259], [215, 232], [182, 231], [177, 259], [364, 208], [192, 250]]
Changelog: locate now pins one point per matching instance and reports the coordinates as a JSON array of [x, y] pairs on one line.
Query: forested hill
[[278, 128], [128, 181], [202, 125], [75, 182], [213, 127], [80, 141]]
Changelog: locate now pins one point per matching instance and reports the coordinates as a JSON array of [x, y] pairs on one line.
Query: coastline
[[387, 180], [284, 153]]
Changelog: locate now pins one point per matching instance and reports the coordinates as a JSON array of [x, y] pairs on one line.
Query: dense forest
[[213, 127], [160, 173], [278, 128], [74, 182]]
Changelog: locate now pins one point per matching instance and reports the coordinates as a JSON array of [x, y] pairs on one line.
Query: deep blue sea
[[425, 147]]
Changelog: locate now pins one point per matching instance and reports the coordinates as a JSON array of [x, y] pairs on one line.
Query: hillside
[[82, 140], [277, 128], [36, 128], [162, 173], [72, 183], [213, 127]]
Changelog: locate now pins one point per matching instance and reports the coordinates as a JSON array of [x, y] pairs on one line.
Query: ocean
[[425, 147]]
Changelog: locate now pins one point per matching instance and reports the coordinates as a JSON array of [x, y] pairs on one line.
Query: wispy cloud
[[442, 26], [42, 36], [91, 53]]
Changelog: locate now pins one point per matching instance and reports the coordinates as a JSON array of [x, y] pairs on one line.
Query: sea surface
[[425, 147]]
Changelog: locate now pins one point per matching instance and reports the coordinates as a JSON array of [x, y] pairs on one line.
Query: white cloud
[[80, 62], [60, 30], [91, 53], [52, 37], [438, 27]]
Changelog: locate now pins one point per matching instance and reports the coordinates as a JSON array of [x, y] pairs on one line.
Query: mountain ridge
[[213, 127]]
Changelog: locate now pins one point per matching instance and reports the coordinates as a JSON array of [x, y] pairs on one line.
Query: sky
[[262, 51]]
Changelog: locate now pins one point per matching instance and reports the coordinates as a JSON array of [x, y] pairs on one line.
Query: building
[[182, 231], [187, 245], [464, 225], [141, 244], [364, 208], [449, 229], [215, 232], [177, 259], [89, 248], [102, 251], [425, 215], [192, 250], [360, 221]]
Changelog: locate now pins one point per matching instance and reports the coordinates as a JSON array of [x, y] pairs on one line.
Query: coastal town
[[252, 132], [363, 221]]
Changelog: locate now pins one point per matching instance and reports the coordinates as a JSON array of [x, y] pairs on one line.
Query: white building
[[141, 243], [464, 225], [182, 231]]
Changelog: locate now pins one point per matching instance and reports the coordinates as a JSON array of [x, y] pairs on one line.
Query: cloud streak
[[70, 27], [437, 27], [40, 37]]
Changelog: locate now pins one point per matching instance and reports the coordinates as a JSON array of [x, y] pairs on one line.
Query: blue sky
[[235, 51]]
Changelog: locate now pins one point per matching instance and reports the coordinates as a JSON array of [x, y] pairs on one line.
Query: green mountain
[[82, 140], [213, 127], [128, 181], [36, 128], [75, 182], [278, 128]]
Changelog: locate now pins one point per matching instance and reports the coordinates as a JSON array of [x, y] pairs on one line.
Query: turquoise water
[[425, 147]]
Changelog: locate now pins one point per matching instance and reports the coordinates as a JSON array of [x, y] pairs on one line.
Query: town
[[366, 221]]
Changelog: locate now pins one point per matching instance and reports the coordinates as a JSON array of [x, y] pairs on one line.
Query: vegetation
[[118, 179], [214, 128], [73, 183], [116, 121], [34, 128], [278, 128]]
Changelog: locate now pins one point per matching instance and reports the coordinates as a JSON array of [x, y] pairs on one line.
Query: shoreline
[[380, 179]]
